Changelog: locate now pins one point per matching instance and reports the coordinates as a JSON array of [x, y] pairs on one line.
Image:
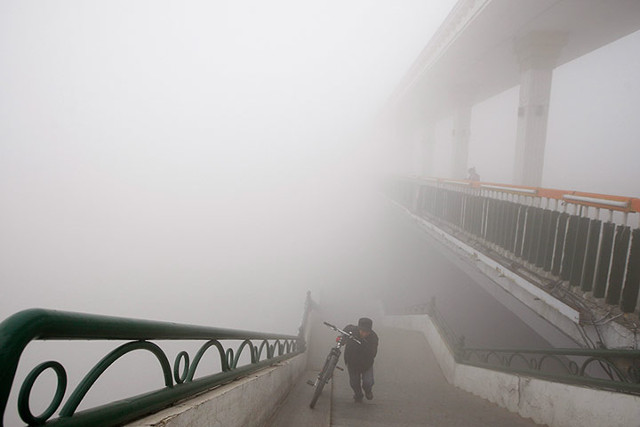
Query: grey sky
[[191, 161]]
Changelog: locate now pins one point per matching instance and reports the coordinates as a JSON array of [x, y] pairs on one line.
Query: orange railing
[[613, 203]]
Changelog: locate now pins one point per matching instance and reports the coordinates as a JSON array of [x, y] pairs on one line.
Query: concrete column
[[537, 54], [460, 137], [427, 148]]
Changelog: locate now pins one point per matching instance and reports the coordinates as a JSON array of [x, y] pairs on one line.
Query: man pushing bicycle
[[359, 358]]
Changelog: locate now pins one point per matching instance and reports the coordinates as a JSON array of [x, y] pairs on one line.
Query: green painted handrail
[[611, 369], [39, 324]]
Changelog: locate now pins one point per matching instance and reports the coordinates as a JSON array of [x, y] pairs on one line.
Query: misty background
[[199, 162], [209, 162], [204, 162]]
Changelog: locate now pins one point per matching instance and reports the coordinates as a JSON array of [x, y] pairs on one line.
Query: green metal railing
[[180, 381], [616, 370]]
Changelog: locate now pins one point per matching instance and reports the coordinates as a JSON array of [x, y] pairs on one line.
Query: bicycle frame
[[330, 363]]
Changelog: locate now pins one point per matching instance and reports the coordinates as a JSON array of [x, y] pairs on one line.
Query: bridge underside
[[486, 47]]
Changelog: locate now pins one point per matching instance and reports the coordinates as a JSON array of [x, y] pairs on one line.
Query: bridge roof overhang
[[473, 55]]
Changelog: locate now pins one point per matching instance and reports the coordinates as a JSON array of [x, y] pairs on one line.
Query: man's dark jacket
[[360, 356]]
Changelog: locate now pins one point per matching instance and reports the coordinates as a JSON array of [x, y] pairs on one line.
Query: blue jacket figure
[[359, 358]]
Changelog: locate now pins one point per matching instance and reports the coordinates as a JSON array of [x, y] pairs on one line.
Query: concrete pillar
[[537, 54], [460, 137], [427, 151]]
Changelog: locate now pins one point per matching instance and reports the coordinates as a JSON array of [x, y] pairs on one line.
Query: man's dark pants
[[359, 380]]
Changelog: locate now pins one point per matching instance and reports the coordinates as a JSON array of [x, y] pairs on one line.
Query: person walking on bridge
[[359, 358]]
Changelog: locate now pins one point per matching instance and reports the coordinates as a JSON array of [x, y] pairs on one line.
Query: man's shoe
[[368, 394], [357, 399]]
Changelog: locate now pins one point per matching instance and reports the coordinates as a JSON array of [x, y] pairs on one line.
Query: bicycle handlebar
[[345, 333]]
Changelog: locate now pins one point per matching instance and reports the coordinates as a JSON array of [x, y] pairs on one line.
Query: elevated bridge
[[485, 47]]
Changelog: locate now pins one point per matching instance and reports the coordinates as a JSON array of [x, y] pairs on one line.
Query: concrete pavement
[[410, 391]]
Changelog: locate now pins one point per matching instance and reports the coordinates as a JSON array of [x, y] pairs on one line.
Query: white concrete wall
[[250, 401], [545, 402]]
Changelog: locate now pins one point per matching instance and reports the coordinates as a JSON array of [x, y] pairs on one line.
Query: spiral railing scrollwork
[[180, 379], [25, 392]]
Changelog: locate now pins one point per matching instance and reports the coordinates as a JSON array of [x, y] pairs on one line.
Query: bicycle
[[330, 363]]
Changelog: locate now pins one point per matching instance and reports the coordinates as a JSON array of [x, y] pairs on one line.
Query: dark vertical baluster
[[486, 204], [553, 227], [496, 222], [618, 264], [463, 210], [545, 232], [421, 200], [506, 225], [632, 282], [512, 217], [491, 219], [580, 249], [455, 208], [473, 213], [443, 203], [466, 203], [558, 250], [590, 258], [483, 220], [534, 236], [460, 210], [427, 198], [520, 230], [478, 216], [446, 199], [501, 223], [528, 233], [569, 247], [434, 201], [602, 272]]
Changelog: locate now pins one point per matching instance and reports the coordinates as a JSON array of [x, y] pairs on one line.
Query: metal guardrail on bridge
[[559, 233], [180, 381], [615, 370]]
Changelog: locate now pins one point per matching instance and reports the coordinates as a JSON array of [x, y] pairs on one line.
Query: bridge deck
[[410, 391]]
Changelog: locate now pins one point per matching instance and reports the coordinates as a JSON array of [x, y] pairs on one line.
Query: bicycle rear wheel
[[325, 376]]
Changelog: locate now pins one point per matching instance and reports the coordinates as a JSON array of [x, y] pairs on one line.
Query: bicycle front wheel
[[325, 376]]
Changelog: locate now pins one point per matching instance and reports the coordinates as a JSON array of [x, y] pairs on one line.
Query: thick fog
[[196, 161], [209, 162]]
